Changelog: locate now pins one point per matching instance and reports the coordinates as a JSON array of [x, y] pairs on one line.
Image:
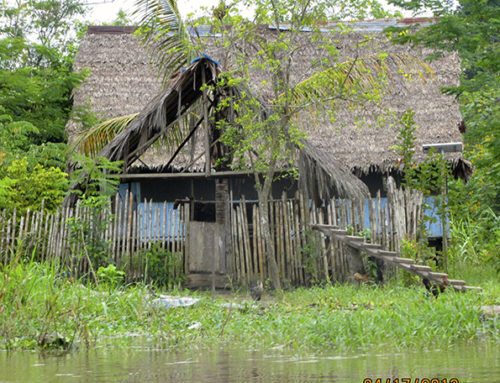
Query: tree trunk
[[266, 232]]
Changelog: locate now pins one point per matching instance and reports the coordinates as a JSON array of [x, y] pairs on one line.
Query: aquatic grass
[[43, 309]]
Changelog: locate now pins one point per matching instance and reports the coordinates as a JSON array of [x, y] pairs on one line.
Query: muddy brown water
[[478, 363]]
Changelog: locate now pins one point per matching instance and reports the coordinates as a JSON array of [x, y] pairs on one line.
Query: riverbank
[[43, 310]]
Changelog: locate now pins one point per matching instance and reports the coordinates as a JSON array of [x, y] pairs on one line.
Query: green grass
[[39, 309]]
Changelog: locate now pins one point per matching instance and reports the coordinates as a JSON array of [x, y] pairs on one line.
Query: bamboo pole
[[280, 248], [130, 215], [296, 211], [186, 220], [240, 244], [245, 240], [115, 227], [164, 224], [149, 216], [254, 240], [20, 234], [260, 247], [290, 246], [235, 243]]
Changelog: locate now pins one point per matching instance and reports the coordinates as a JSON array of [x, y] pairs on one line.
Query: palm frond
[[90, 142], [362, 74], [162, 29]]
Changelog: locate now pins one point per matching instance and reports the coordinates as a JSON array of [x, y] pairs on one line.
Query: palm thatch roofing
[[121, 81], [181, 92]]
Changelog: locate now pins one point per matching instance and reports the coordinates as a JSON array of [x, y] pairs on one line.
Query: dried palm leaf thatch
[[121, 81], [322, 176], [182, 91]]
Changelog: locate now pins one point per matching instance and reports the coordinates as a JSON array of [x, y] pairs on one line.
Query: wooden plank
[[438, 275], [472, 288], [456, 282], [388, 253], [402, 260], [421, 268]]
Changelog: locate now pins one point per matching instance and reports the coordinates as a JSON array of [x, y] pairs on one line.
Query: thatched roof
[[181, 92], [121, 81]]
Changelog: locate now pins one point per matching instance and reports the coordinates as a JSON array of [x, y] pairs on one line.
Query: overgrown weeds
[[42, 308]]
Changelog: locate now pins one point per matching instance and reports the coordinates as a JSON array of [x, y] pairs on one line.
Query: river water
[[474, 363]]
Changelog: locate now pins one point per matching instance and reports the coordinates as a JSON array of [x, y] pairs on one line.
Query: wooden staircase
[[392, 257]]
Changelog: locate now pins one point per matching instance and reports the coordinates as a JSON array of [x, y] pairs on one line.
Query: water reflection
[[468, 363]]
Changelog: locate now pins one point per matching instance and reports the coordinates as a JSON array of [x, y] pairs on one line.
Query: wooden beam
[[184, 142]]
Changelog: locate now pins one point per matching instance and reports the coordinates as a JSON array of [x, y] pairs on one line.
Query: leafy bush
[[158, 266], [23, 189], [110, 276]]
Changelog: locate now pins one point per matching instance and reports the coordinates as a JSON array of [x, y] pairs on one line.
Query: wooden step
[[456, 282], [371, 251], [421, 268], [354, 238], [405, 266], [475, 288], [385, 258], [339, 232], [434, 274], [403, 260], [388, 253], [372, 246]]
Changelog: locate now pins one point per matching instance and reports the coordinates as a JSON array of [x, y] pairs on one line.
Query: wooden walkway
[[392, 257]]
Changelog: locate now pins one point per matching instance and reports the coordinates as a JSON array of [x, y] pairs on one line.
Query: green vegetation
[[41, 308], [472, 30]]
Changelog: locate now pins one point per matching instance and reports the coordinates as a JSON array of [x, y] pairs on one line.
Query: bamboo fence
[[126, 234], [305, 256], [78, 238]]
